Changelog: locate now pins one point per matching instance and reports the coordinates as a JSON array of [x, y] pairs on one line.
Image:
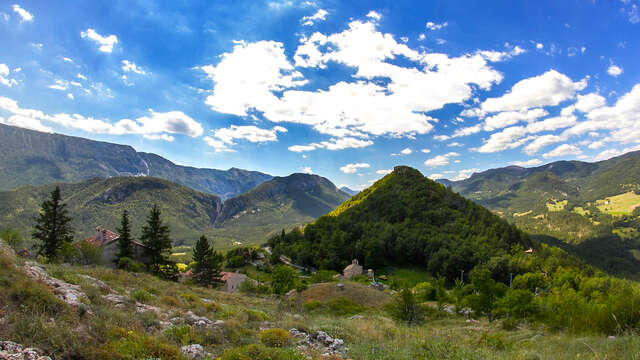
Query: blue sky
[[345, 90]]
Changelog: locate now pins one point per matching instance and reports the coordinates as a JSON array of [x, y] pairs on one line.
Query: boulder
[[194, 351], [69, 293]]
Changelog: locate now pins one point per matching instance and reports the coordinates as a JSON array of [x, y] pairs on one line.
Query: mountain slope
[[30, 157], [99, 202], [404, 219], [283, 202], [349, 191], [294, 199]]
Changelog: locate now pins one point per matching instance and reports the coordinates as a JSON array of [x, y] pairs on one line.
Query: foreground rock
[[13, 351], [319, 341], [200, 321], [69, 293], [194, 351]]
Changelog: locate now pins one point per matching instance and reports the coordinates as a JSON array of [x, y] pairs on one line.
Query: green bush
[[128, 264], [322, 276], [35, 297], [405, 308], [141, 295], [250, 287], [125, 344], [274, 337], [261, 352], [182, 335], [12, 237]]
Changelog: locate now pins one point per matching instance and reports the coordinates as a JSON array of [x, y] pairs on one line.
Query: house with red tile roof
[[231, 280], [107, 241]]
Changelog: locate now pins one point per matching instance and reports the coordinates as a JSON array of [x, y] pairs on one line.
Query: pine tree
[[125, 242], [208, 263], [155, 238], [52, 229]]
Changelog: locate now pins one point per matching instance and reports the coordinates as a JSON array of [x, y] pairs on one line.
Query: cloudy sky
[[342, 89]]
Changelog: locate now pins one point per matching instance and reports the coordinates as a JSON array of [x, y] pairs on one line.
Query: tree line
[[54, 238]]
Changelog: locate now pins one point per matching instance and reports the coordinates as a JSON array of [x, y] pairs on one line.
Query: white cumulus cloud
[[563, 150], [320, 15], [24, 14], [353, 168], [106, 42], [614, 70]]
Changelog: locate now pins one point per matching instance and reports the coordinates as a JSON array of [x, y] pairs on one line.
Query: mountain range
[[283, 202], [30, 157]]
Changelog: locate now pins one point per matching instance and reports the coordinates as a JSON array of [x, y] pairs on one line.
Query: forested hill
[[294, 199], [284, 202], [404, 219], [100, 202], [30, 157]]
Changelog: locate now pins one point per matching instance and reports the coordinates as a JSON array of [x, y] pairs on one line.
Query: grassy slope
[[36, 318], [100, 202]]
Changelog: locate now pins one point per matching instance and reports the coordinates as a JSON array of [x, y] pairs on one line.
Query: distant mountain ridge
[[283, 202], [36, 158], [349, 191]]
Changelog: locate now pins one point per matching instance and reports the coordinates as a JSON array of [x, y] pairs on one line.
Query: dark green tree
[[155, 238], [487, 293], [52, 230], [208, 263], [125, 241], [283, 279]]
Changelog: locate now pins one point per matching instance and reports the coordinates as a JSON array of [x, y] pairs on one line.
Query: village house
[[232, 280], [352, 270], [107, 241]]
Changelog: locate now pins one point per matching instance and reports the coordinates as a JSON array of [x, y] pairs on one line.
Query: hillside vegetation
[[405, 219], [284, 202], [588, 205]]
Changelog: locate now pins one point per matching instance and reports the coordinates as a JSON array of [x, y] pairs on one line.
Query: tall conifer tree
[[52, 230], [125, 241], [155, 238], [208, 263]]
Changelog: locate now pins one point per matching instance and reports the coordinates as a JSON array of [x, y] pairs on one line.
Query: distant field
[[581, 211], [523, 213], [622, 204], [555, 205], [625, 232]]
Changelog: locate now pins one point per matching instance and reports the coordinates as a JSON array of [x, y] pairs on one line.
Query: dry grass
[[360, 294]]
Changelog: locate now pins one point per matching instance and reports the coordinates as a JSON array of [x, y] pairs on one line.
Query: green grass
[[36, 318], [622, 204], [555, 205]]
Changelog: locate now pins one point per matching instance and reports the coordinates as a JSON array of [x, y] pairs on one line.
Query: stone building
[[108, 242], [232, 280], [352, 270]]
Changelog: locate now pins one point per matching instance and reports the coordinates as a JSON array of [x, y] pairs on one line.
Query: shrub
[[405, 308], [12, 237], [257, 315], [125, 344], [274, 337], [128, 264], [35, 297], [182, 335], [322, 276], [261, 352], [250, 287], [141, 295]]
